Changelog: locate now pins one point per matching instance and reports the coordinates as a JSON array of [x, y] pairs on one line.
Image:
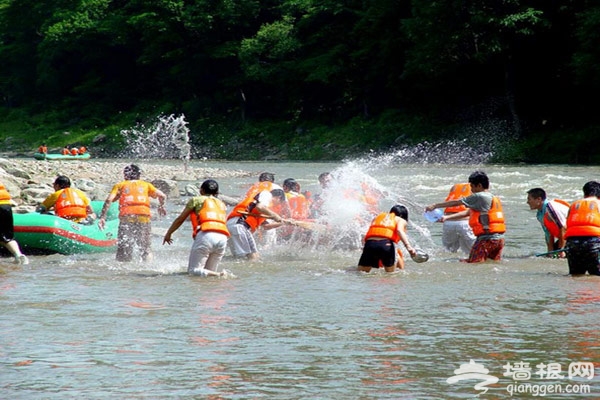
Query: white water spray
[[166, 138]]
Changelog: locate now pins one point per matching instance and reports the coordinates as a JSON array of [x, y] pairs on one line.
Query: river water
[[301, 323]]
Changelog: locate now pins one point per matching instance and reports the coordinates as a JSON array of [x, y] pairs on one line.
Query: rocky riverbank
[[30, 181]]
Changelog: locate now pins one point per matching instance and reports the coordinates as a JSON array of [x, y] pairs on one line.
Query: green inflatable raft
[[47, 233], [57, 156]]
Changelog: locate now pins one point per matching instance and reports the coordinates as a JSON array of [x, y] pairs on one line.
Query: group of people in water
[[473, 221], [474, 217]]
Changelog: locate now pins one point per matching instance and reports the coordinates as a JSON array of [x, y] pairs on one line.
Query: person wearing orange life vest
[[486, 218], [43, 149], [583, 232], [250, 214], [298, 209], [552, 215], [67, 202], [7, 227], [66, 151], [74, 151], [82, 150], [386, 230], [297, 201], [266, 180], [208, 216], [135, 214], [457, 233]]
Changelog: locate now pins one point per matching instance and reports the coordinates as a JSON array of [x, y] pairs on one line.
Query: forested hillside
[[307, 79]]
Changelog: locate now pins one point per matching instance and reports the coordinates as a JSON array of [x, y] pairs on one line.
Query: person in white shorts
[[457, 234], [207, 214]]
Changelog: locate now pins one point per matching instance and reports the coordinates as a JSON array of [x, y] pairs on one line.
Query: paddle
[[312, 226], [552, 252]]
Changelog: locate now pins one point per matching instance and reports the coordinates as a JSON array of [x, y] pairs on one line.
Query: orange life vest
[[298, 205], [134, 198], [253, 219], [457, 192], [74, 151], [259, 187], [70, 205], [4, 195], [384, 225], [584, 218], [82, 150], [549, 222], [65, 152], [42, 149], [496, 219], [212, 217]]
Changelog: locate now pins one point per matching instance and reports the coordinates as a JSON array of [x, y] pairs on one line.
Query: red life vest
[[457, 192], [584, 218], [550, 223], [384, 225], [134, 198], [496, 219], [212, 217], [70, 205]]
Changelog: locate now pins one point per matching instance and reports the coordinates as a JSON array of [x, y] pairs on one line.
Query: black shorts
[[583, 255], [376, 251], [6, 223]]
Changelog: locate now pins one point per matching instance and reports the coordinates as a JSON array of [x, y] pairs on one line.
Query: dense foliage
[[301, 74]]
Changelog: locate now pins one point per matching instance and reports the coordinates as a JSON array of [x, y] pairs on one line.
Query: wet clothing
[[241, 241], [552, 217], [6, 216], [133, 234], [206, 253], [134, 218], [583, 255], [375, 251], [456, 235], [241, 227], [7, 232], [484, 249], [489, 243], [210, 234], [583, 236]]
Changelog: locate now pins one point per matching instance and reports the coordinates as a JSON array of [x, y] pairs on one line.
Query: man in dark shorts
[[583, 232]]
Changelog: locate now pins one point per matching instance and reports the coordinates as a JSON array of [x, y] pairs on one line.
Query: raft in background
[[47, 233], [58, 156]]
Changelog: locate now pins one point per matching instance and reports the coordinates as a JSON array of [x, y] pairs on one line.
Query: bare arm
[[403, 236], [102, 218], [458, 215], [176, 224], [161, 202], [445, 204]]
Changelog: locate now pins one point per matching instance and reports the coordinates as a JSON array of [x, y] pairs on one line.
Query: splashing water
[[167, 138]]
